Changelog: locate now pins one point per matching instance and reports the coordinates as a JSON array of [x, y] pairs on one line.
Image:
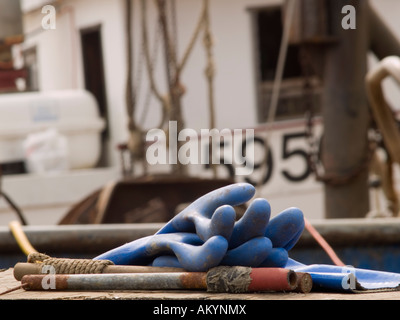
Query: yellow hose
[[20, 237]]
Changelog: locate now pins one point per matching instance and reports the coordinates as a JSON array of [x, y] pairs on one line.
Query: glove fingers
[[221, 223], [232, 195], [205, 206], [253, 223], [269, 257], [251, 253], [142, 251], [285, 229], [191, 258], [201, 258], [277, 258]]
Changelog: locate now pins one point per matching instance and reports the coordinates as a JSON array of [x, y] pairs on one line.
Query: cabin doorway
[[93, 68]]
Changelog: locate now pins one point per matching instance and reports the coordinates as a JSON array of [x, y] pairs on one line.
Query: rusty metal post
[[221, 279], [345, 114], [118, 281]]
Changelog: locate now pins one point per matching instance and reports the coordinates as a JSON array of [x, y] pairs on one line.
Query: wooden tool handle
[[22, 268]]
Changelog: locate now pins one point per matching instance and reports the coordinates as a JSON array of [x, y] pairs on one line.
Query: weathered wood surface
[[7, 281]]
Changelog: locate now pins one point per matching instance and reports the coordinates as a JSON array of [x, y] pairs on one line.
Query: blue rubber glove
[[252, 241], [197, 237], [213, 215], [256, 241]]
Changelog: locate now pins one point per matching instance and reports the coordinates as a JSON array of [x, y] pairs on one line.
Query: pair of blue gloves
[[207, 234]]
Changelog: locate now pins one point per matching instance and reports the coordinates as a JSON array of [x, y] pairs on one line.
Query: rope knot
[[70, 266]]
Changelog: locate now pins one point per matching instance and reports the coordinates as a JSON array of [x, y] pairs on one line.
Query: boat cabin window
[[267, 24]]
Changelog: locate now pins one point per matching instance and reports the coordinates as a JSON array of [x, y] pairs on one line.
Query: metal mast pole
[[345, 113]]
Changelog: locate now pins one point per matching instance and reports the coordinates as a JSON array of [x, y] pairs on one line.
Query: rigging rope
[[129, 95], [164, 100], [203, 23]]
